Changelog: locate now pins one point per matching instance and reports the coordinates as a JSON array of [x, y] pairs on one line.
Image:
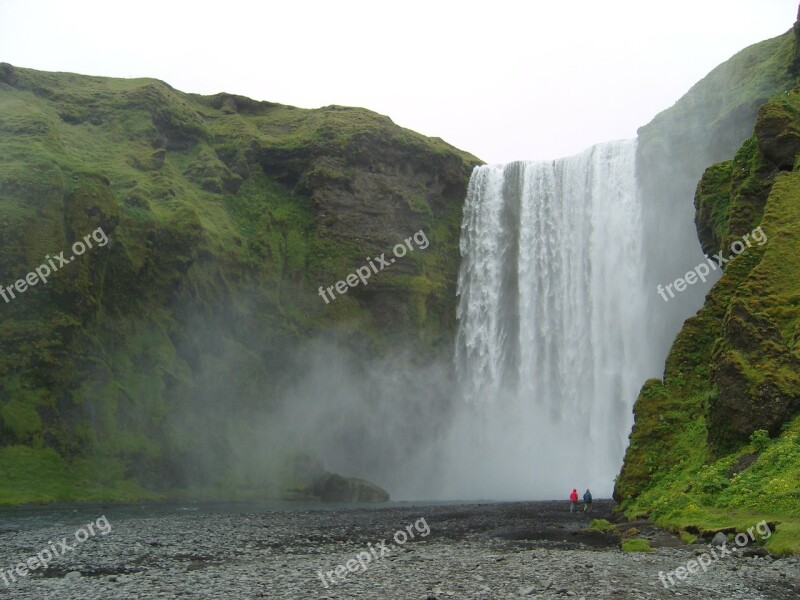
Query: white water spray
[[552, 346]]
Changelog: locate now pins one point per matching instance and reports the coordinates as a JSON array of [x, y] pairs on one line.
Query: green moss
[[19, 416], [40, 475], [688, 538], [751, 181], [418, 204], [717, 443], [600, 525], [721, 101], [32, 475], [786, 540], [636, 545], [712, 201], [217, 248]]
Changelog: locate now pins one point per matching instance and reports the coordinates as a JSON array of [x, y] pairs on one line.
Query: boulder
[[335, 488], [720, 539]]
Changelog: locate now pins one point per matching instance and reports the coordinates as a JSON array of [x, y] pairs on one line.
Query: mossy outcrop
[[716, 441], [224, 216], [706, 126], [720, 431], [335, 488]]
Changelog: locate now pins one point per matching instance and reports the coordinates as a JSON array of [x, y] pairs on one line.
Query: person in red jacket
[[573, 500]]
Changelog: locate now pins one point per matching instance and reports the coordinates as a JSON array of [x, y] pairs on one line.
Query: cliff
[[707, 125], [223, 217], [717, 439]]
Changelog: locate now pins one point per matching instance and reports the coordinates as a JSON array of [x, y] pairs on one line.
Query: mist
[[261, 401], [404, 426]]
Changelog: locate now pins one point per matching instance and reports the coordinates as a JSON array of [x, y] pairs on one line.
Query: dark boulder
[[335, 488]]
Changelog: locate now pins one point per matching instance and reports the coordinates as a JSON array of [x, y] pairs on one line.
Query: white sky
[[504, 80]]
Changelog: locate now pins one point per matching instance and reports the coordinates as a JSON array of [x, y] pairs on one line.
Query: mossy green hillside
[[224, 216], [717, 113], [707, 125], [716, 443]]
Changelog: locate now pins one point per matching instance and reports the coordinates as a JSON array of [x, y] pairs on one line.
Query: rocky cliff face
[[707, 125], [721, 430], [224, 216], [754, 364]]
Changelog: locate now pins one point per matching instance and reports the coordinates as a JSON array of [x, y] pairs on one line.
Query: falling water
[[552, 344]]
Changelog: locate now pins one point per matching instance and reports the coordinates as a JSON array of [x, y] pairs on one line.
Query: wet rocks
[[209, 555]]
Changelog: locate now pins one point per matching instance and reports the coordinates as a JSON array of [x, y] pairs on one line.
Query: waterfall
[[552, 346]]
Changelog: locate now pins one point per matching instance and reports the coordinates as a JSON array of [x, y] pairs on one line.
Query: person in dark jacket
[[587, 501], [573, 500]]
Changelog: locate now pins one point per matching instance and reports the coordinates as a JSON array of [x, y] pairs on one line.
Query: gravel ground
[[479, 551]]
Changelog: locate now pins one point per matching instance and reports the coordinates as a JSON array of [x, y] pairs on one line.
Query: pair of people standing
[[587, 500]]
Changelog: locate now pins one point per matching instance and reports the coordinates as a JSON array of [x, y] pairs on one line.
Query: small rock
[[755, 553], [73, 575], [719, 539]]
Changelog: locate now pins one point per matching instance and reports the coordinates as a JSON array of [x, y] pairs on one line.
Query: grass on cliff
[[672, 471], [704, 495], [722, 102], [40, 475], [215, 256]]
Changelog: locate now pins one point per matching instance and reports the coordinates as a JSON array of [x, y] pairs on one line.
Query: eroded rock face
[[370, 192], [756, 374], [734, 368], [757, 377], [778, 134]]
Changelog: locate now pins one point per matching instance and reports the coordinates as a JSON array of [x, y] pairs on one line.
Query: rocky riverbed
[[476, 551]]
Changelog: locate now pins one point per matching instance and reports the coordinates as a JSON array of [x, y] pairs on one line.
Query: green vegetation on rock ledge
[[225, 215], [716, 443]]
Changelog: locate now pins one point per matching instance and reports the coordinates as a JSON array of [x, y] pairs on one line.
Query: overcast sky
[[503, 80]]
